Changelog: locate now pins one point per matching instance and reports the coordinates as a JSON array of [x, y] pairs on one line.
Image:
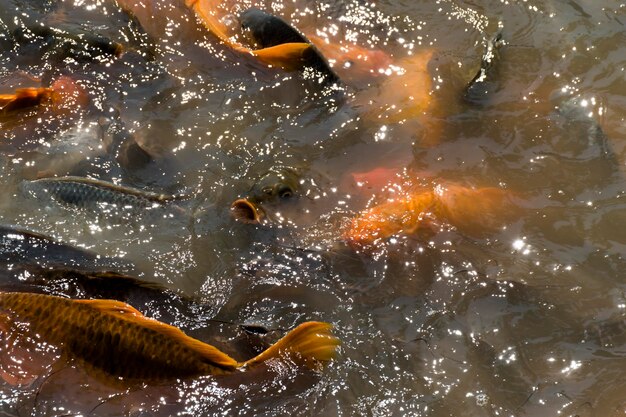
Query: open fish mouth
[[246, 211]]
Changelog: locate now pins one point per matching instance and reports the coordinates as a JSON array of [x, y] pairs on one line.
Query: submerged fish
[[270, 31], [473, 211], [94, 194], [64, 97], [118, 345], [479, 86], [24, 98], [23, 247]]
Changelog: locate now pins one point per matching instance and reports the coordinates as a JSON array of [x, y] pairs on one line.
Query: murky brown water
[[524, 320]]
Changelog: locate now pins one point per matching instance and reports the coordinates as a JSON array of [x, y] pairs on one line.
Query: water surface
[[526, 320]]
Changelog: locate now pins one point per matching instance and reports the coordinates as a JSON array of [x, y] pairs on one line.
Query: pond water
[[457, 318]]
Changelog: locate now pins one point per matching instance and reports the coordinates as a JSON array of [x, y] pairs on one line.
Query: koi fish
[[24, 98], [473, 211], [118, 345], [91, 194], [272, 31], [63, 95], [288, 56]]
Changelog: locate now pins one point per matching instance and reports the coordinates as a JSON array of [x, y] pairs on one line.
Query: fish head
[[273, 189], [279, 184]]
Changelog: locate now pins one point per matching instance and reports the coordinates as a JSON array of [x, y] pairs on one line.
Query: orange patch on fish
[[473, 211], [68, 94], [116, 344], [376, 178]]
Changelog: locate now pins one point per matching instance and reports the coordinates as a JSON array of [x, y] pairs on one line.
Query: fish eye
[[285, 191]]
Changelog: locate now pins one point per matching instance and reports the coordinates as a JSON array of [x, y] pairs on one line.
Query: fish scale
[[87, 193]]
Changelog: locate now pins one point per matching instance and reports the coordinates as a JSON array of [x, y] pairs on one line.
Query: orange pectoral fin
[[288, 56]]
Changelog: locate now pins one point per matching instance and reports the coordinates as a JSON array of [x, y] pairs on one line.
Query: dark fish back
[[23, 247], [269, 30]]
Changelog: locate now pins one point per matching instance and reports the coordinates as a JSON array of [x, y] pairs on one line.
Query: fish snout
[[247, 211]]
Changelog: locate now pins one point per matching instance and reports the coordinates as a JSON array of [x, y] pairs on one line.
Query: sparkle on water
[[527, 319]]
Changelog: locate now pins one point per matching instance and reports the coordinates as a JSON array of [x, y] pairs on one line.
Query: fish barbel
[[118, 345], [89, 193]]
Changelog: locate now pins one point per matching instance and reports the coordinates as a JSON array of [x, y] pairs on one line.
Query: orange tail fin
[[311, 343]]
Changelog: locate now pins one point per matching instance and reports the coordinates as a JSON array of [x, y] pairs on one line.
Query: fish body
[[118, 345], [271, 31], [94, 194], [473, 211], [24, 247], [24, 98]]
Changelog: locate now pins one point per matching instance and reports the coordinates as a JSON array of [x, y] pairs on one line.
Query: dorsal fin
[[112, 307], [126, 312]]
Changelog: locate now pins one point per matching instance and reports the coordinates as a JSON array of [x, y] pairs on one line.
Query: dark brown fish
[[271, 31], [118, 345], [19, 246]]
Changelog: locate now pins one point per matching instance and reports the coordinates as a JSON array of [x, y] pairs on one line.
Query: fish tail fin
[[311, 343]]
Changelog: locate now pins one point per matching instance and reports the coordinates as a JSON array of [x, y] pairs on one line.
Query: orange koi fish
[[64, 94], [24, 98], [287, 56], [118, 345], [473, 211]]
